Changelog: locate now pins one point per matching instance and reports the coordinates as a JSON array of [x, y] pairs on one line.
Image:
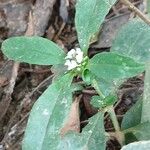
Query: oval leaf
[[132, 116], [141, 145], [133, 41], [105, 87], [48, 116], [111, 66], [33, 50], [141, 131], [90, 14]]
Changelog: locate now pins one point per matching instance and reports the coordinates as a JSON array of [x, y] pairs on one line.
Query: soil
[[21, 84]]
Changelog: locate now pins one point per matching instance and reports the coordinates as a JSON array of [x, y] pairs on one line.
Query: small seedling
[[105, 71]]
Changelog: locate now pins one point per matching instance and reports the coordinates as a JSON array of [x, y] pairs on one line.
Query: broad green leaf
[[100, 102], [106, 87], [146, 97], [141, 131], [103, 87], [91, 138], [112, 66], [141, 145], [71, 141], [133, 41], [133, 116], [48, 116], [33, 50], [90, 14]]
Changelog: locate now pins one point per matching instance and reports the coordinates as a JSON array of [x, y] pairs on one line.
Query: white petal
[[78, 50], [67, 63], [79, 56], [71, 64], [71, 54], [74, 63]]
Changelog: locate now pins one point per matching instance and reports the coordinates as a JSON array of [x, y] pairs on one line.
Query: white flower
[[74, 58], [71, 64], [79, 55], [71, 54]]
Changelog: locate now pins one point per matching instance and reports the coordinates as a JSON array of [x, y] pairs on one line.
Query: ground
[[21, 84]]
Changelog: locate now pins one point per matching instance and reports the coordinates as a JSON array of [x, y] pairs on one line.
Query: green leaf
[[87, 76], [94, 133], [141, 145], [146, 97], [133, 41], [97, 101], [141, 131], [75, 87], [112, 66], [133, 116], [58, 71], [33, 50], [106, 87], [90, 14], [100, 102], [71, 141], [48, 116], [92, 137], [133, 129]]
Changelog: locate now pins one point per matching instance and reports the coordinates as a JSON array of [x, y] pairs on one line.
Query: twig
[[5, 102], [89, 92], [60, 31], [41, 15], [40, 71], [13, 77], [137, 11], [28, 95]]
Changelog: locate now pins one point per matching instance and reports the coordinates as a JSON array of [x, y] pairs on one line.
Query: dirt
[[17, 99]]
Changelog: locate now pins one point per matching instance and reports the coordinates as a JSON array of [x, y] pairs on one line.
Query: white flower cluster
[[74, 58]]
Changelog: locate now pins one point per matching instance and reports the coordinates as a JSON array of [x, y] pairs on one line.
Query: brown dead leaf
[[109, 31], [30, 28], [73, 122], [3, 81]]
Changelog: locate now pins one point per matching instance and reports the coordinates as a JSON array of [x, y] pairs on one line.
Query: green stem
[[96, 87], [112, 114], [119, 134]]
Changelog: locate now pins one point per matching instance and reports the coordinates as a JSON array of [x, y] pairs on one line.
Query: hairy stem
[[119, 135], [96, 87], [137, 11]]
